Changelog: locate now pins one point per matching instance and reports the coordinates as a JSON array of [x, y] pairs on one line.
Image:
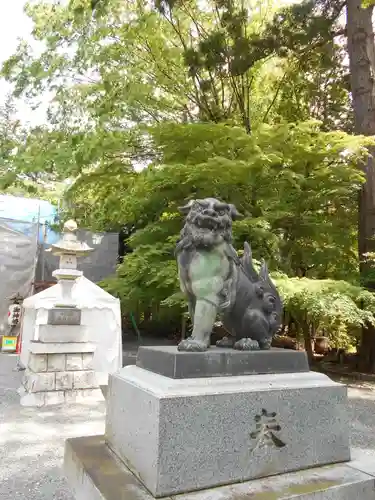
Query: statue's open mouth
[[208, 222]]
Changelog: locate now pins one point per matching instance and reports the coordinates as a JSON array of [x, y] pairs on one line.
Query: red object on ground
[[18, 346]]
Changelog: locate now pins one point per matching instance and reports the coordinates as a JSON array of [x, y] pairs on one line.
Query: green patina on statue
[[216, 281]]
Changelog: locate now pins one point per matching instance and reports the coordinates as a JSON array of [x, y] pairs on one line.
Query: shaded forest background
[[266, 105]]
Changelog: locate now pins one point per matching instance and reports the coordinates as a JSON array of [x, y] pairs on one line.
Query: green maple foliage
[[295, 185]]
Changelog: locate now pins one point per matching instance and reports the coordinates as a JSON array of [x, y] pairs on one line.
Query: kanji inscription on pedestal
[[266, 429], [64, 316]]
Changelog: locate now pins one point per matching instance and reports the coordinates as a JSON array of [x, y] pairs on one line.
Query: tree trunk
[[308, 342], [361, 50], [366, 351]]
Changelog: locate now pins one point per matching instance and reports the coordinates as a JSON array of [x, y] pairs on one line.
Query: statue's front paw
[[246, 344], [192, 345], [225, 342]]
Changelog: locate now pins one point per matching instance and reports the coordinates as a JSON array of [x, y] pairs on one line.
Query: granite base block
[[37, 347], [55, 362], [64, 381], [59, 380], [60, 362], [52, 398], [363, 460], [180, 435], [39, 382], [74, 362], [39, 399], [63, 333], [219, 362], [38, 363], [94, 473], [82, 395]]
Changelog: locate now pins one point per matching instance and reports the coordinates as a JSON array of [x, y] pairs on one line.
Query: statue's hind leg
[[229, 339], [204, 319], [265, 343]]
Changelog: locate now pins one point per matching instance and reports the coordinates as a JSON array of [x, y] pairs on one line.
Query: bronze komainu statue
[[216, 281]]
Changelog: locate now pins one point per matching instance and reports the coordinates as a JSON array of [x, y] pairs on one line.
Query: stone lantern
[[60, 361], [68, 249]]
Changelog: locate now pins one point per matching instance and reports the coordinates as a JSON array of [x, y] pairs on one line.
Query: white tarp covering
[[18, 256], [100, 312]]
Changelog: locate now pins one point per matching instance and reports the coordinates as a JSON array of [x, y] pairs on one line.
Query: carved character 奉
[[215, 280]]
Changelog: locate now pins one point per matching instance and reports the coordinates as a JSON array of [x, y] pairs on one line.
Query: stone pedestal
[[63, 333], [184, 435], [95, 474], [219, 362], [179, 435], [60, 363], [59, 373]]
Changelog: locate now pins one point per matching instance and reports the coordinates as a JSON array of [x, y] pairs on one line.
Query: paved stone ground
[[32, 440]]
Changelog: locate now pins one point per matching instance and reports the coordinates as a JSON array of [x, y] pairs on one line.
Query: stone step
[[95, 473], [49, 398]]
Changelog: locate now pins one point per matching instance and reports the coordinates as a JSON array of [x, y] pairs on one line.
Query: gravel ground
[[361, 413], [32, 440]]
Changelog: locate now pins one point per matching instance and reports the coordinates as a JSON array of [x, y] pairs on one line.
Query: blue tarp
[[18, 209]]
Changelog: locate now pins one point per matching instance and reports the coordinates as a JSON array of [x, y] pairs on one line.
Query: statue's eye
[[221, 212]]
